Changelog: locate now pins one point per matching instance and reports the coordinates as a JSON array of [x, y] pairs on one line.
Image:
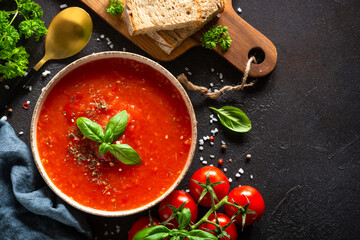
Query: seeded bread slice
[[143, 16], [168, 40]]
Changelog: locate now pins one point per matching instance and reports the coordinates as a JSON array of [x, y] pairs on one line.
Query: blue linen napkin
[[29, 209]]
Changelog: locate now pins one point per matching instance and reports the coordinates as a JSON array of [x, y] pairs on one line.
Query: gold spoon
[[68, 33]]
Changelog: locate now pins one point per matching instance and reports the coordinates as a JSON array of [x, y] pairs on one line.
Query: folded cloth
[[28, 207]]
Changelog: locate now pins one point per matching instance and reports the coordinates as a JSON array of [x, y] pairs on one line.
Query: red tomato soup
[[159, 129]]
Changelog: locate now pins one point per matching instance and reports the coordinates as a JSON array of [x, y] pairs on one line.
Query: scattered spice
[[223, 146], [220, 161], [26, 106], [248, 156], [10, 110], [212, 138]]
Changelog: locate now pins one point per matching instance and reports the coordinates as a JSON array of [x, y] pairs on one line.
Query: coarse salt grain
[[187, 190], [63, 6], [221, 75], [211, 121], [43, 89], [201, 158], [222, 142], [251, 176], [201, 141], [111, 46], [102, 35], [6, 87], [186, 69], [98, 39], [237, 175], [230, 180], [45, 73], [28, 102], [225, 169], [211, 143], [204, 162], [21, 133], [107, 39], [124, 49], [189, 73], [239, 10], [211, 84], [212, 69], [201, 148], [241, 171], [3, 118], [212, 156]]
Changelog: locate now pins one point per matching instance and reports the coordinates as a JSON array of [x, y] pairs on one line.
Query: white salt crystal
[[241, 171], [6, 87], [63, 6], [204, 162], [237, 175]]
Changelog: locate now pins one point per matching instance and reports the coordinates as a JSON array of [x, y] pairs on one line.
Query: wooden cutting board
[[244, 37]]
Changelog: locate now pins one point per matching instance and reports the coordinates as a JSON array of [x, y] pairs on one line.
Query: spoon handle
[[14, 91]]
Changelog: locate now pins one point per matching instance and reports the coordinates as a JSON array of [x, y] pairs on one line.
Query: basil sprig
[[233, 118], [114, 129], [160, 232]]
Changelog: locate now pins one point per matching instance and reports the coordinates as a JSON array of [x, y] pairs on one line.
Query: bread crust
[[144, 16], [169, 40]]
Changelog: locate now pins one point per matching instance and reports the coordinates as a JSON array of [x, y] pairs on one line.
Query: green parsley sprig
[[14, 59], [216, 35], [115, 8]]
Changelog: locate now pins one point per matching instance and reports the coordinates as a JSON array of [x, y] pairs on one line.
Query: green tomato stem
[[211, 211]]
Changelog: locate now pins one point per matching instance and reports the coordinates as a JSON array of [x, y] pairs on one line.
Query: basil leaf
[[198, 234], [233, 118], [116, 126], [90, 129], [125, 154], [184, 218], [158, 232], [104, 148]]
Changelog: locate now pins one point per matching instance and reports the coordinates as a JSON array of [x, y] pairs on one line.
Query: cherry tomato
[[241, 195], [215, 175], [140, 224], [223, 220], [176, 198]]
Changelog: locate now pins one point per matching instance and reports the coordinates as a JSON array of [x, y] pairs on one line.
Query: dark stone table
[[305, 140]]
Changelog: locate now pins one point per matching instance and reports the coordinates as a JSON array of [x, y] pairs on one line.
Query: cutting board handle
[[247, 41]]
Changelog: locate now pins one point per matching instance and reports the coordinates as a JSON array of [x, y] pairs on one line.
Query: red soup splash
[[159, 129]]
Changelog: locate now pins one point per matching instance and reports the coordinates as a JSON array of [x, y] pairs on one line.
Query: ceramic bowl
[[71, 67]]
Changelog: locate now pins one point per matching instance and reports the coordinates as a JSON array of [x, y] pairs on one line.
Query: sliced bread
[[143, 16], [168, 40]]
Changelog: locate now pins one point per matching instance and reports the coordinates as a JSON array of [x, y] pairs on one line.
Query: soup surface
[[159, 129]]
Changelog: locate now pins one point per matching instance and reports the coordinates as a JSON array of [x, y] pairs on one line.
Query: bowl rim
[[72, 66]]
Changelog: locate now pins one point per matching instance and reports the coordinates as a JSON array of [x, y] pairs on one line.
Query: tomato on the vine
[[176, 199], [223, 220], [140, 224], [214, 175], [241, 195]]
